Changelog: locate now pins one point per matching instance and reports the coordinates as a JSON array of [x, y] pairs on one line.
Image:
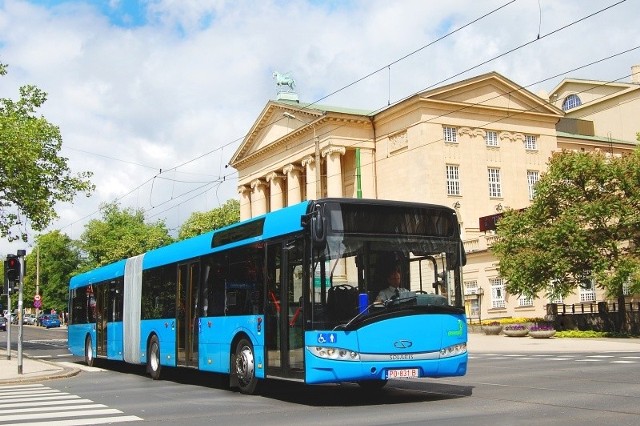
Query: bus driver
[[393, 289]]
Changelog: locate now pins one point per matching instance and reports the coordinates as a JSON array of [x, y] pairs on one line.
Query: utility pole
[[37, 277], [21, 255]]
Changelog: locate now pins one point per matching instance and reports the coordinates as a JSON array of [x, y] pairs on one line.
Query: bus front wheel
[[88, 352], [244, 367], [153, 358]]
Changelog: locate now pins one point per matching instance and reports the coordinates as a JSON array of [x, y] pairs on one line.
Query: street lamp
[[317, 153]]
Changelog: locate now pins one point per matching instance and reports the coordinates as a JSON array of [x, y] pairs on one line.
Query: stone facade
[[477, 145]]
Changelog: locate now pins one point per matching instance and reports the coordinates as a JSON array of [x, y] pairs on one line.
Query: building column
[[309, 163], [245, 202], [258, 197], [276, 181], [334, 170], [293, 173]]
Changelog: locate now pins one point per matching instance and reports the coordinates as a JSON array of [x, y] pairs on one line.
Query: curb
[[65, 372]]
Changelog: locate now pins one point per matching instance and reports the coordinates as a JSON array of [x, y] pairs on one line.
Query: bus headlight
[[454, 350], [334, 353]]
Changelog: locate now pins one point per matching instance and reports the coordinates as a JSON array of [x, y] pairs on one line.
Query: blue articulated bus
[[293, 295]]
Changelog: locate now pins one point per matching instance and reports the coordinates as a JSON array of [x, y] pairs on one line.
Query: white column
[[275, 189], [245, 202], [294, 189], [258, 197], [309, 163], [334, 170]]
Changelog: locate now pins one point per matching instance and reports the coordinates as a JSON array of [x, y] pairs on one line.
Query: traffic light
[[12, 268]]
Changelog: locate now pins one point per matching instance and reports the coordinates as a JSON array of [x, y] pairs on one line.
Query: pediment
[[491, 90], [271, 127]]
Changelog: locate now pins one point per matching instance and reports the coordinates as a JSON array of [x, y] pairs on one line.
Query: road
[[500, 389]]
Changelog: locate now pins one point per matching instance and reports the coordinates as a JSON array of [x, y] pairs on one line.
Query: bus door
[[284, 328], [187, 314], [102, 311]]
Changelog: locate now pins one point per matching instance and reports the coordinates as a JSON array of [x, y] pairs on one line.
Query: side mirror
[[318, 229]]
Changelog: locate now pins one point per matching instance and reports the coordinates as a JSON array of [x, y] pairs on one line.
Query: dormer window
[[571, 101]]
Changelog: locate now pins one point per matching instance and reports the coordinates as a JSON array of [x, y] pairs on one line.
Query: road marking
[[41, 405]]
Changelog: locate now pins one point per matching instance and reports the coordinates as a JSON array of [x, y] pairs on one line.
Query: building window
[[491, 138], [453, 179], [525, 301], [532, 178], [495, 190], [571, 101], [471, 287], [626, 287], [450, 134], [556, 299], [530, 142], [587, 290], [497, 293]]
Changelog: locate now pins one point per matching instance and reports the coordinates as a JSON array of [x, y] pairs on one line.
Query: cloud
[[139, 86]]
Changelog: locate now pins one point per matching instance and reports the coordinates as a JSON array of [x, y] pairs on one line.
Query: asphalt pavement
[[37, 370]]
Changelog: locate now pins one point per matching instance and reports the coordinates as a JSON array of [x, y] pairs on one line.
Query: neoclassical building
[[478, 145]]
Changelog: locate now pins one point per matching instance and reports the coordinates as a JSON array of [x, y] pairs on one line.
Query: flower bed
[[541, 331], [493, 328], [515, 330]]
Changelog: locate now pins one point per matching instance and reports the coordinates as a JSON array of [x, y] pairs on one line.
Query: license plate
[[405, 373]]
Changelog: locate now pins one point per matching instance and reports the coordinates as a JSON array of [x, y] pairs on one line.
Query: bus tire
[[244, 367], [153, 358], [372, 385], [89, 357]]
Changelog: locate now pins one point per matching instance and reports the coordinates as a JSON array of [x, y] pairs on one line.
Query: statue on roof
[[284, 80]]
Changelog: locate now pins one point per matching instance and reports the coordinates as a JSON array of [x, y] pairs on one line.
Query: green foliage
[[584, 223], [119, 235], [59, 259], [33, 178], [199, 222]]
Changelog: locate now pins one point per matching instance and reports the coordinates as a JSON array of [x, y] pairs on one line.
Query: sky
[[155, 96]]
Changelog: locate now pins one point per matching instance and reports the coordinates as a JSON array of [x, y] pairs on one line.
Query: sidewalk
[[33, 370], [36, 370], [482, 343]]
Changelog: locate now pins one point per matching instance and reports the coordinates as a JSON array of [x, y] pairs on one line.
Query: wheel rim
[[89, 351], [245, 365], [154, 357]]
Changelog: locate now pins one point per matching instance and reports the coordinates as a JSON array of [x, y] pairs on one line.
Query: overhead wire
[[310, 105]]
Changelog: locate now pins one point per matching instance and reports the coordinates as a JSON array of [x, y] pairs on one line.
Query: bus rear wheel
[[244, 367], [153, 358], [89, 359]]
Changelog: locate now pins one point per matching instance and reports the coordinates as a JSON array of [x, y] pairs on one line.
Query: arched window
[[571, 101]]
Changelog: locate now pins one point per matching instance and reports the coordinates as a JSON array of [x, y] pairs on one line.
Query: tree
[[583, 224], [121, 234], [33, 178], [59, 258], [199, 223]]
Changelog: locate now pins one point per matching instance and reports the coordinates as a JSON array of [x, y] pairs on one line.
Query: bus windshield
[[376, 260]]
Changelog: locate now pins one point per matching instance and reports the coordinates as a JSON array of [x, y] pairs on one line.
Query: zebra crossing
[[36, 404]]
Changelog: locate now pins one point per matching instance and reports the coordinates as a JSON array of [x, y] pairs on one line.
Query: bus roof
[[103, 273], [280, 222]]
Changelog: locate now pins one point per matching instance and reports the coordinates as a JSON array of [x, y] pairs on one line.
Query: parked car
[[50, 320], [3, 323], [29, 319]]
